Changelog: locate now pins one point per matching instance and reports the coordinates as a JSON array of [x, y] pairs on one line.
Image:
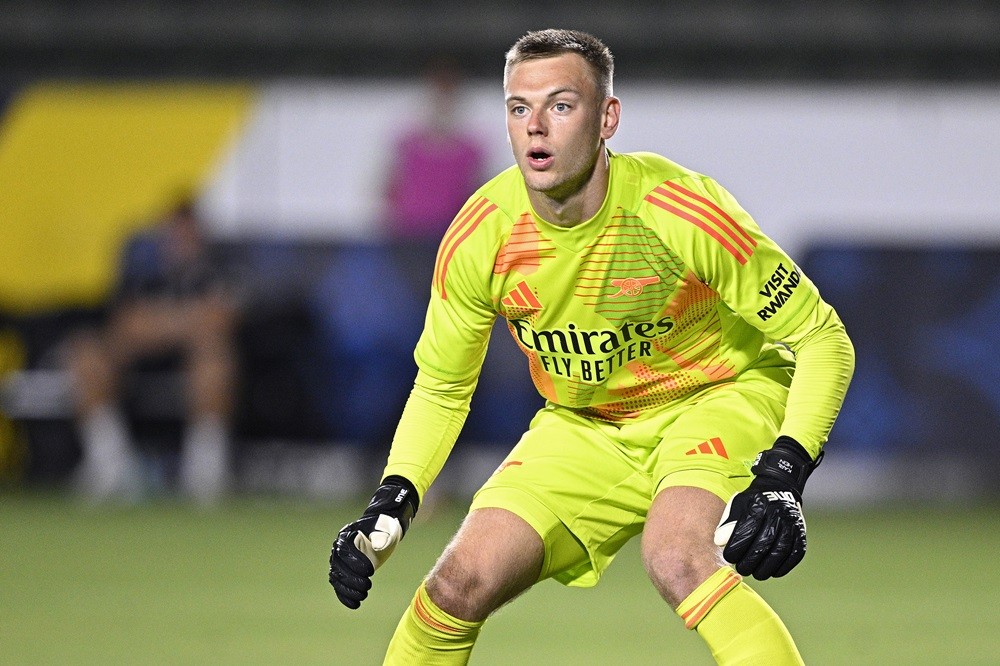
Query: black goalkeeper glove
[[362, 546], [762, 528]]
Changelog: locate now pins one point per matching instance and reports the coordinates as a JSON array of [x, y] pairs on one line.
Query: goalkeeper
[[691, 374]]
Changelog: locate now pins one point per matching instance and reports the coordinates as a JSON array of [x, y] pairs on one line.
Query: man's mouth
[[539, 159]]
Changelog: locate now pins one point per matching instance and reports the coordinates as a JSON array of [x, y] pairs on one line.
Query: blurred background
[[863, 136], [217, 228]]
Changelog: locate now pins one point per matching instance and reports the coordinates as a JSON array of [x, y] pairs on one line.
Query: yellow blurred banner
[[82, 165]]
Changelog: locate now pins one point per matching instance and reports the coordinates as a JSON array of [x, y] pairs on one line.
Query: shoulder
[[660, 184], [472, 241], [654, 168], [491, 211], [144, 246], [642, 178], [506, 191], [691, 209], [647, 171]]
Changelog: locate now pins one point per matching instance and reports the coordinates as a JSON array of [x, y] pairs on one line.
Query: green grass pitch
[[168, 584]]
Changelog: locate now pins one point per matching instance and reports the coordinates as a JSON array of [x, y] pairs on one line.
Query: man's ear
[[611, 113]]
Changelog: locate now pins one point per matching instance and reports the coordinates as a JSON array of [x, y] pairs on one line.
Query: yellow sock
[[736, 624], [428, 636]]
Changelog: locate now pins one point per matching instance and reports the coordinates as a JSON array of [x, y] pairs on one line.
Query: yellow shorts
[[585, 486]]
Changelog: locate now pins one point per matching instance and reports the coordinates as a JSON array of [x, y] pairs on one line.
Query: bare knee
[[494, 557], [461, 590], [94, 372], [211, 384], [678, 551], [677, 568]]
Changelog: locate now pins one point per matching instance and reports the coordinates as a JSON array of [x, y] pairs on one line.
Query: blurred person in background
[[172, 305], [435, 164], [691, 374]]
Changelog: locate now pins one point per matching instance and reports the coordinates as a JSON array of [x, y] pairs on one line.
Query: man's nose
[[536, 124]]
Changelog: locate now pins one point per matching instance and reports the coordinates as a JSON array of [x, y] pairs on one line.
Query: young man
[[172, 305], [649, 305]]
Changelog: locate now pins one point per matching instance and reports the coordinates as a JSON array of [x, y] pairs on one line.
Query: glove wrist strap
[[396, 497], [786, 461]]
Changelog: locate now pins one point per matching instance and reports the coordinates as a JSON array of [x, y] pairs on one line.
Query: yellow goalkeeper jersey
[[669, 288]]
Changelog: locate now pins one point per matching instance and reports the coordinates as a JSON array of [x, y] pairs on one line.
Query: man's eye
[[561, 107], [518, 110]]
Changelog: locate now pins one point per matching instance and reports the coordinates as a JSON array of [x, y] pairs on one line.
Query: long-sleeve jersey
[[669, 288]]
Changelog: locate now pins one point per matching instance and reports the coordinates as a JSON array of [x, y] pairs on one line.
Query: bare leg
[[211, 370], [688, 570], [109, 468], [494, 557], [678, 550]]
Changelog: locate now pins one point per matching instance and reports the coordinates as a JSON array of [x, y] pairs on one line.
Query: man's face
[[556, 121]]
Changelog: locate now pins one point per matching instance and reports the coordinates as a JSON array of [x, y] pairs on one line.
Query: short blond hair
[[553, 42]]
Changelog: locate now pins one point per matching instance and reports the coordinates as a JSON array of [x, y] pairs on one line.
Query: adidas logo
[[521, 296], [713, 445]]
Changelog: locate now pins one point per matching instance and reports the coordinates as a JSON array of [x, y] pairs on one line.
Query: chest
[[626, 273]]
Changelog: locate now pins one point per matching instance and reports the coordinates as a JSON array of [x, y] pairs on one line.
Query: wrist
[[395, 497], [402, 482], [786, 462]]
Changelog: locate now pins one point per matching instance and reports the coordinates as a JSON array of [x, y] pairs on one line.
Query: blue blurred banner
[[926, 326]]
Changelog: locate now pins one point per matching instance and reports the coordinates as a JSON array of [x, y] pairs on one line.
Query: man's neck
[[579, 206]]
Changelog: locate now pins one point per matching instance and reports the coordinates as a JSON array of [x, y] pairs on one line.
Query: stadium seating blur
[[714, 39], [319, 363], [279, 114]]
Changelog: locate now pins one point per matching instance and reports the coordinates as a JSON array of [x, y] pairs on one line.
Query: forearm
[[428, 428], [824, 364]]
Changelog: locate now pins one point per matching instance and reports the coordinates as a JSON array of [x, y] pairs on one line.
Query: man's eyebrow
[[554, 93]]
